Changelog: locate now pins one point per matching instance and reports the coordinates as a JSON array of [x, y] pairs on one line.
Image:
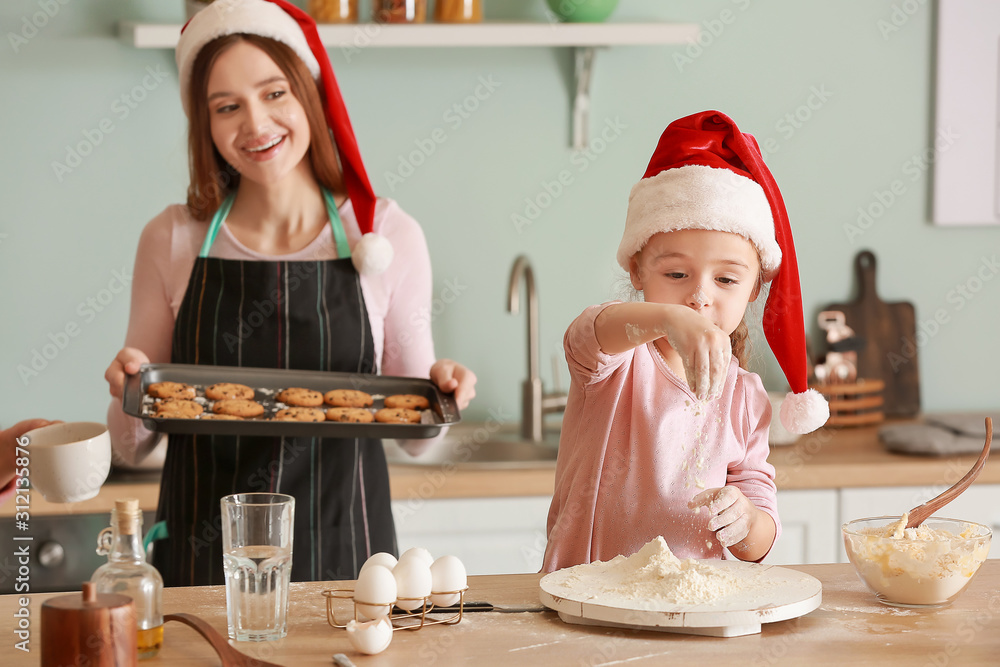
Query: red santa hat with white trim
[[286, 23], [706, 174]]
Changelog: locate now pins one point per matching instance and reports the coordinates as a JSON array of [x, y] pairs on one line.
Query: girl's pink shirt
[[636, 446], [398, 300]]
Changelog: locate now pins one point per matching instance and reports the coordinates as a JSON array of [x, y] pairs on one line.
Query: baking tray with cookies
[[233, 400]]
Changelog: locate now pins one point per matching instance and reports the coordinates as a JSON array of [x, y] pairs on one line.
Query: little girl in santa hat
[[665, 433]]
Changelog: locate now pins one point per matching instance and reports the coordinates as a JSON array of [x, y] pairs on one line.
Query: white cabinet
[[809, 528], [489, 535], [979, 503]]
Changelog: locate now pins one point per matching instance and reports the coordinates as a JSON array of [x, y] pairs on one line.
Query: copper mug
[[97, 630]]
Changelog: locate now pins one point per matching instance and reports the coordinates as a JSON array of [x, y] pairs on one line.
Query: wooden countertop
[[854, 457], [828, 458], [850, 627]]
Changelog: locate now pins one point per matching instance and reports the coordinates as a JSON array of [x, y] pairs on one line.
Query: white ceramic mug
[[68, 462]]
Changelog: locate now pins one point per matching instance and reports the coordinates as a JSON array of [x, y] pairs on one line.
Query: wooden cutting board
[[772, 594], [890, 333]]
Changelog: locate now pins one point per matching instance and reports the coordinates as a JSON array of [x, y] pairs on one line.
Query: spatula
[[228, 654], [921, 513]]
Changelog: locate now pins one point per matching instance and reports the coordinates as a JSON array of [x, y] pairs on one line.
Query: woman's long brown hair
[[212, 178]]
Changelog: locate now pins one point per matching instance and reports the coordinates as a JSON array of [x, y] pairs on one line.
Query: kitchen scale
[[772, 594]]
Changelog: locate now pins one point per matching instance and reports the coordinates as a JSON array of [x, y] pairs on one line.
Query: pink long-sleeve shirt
[[398, 300], [637, 445]]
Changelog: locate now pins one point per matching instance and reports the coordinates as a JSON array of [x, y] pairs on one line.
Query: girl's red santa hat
[[286, 23], [706, 174]]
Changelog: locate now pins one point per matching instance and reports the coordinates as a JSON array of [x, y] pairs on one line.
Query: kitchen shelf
[[584, 38], [364, 35]]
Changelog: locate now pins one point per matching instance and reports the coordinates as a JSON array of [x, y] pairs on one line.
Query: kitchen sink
[[481, 445]]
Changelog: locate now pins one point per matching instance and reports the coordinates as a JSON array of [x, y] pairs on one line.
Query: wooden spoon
[[920, 514], [229, 656]]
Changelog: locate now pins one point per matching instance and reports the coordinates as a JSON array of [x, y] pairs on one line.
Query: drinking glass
[[257, 557]]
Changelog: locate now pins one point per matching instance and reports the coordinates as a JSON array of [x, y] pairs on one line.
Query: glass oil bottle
[[128, 573]]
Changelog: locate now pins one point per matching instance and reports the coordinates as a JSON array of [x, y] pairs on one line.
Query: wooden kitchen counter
[[850, 628], [854, 457], [826, 459]]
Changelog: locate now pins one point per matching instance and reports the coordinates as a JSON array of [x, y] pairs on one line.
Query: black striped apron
[[306, 315]]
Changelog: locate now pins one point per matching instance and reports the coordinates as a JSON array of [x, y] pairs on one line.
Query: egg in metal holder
[[421, 587]]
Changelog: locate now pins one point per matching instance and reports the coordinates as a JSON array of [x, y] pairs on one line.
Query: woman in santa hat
[[282, 258], [665, 432]]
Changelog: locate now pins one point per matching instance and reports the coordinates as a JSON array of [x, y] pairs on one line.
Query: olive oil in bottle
[[128, 573]]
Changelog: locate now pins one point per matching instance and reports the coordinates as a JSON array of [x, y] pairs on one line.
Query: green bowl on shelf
[[582, 11]]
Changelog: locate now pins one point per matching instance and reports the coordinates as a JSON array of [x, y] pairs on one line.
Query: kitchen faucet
[[535, 404]]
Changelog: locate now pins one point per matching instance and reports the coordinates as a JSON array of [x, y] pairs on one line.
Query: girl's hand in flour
[[704, 349], [729, 513], [747, 531]]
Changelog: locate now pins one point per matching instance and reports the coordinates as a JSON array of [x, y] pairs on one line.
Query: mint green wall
[[67, 239]]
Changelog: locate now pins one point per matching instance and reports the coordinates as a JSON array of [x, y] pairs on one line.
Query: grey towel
[[941, 435]]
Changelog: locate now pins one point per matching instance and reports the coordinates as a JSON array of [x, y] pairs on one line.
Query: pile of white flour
[[655, 575]]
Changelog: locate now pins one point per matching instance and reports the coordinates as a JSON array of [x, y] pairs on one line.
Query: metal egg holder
[[399, 617]]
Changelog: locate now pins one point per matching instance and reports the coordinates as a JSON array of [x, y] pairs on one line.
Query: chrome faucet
[[535, 404]]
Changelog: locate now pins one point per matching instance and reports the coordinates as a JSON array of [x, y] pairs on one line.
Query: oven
[[61, 553]]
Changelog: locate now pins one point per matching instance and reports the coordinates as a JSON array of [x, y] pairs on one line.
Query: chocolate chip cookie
[[348, 398], [299, 397], [353, 415]]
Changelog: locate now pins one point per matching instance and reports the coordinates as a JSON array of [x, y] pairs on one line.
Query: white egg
[[413, 583], [375, 592], [423, 555], [447, 574], [371, 637], [381, 558]]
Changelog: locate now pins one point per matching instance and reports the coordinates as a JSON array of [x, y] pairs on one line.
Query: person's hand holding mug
[[8, 446], [65, 462]]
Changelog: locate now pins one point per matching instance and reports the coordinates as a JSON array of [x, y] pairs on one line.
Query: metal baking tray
[[268, 382]]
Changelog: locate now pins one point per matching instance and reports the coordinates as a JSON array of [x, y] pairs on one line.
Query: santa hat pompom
[[805, 412], [372, 254]]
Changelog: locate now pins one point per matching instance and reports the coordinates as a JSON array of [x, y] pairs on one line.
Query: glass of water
[[257, 557]]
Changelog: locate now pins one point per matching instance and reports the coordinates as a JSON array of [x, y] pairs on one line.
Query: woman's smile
[[262, 151]]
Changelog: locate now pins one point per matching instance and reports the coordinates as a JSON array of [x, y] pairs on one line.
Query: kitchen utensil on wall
[[91, 629], [889, 332]]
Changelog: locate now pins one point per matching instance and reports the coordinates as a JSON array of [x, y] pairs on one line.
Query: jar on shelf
[[399, 11], [458, 11], [128, 573], [333, 11]]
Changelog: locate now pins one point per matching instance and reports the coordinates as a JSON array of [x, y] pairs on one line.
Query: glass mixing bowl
[[928, 566]]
